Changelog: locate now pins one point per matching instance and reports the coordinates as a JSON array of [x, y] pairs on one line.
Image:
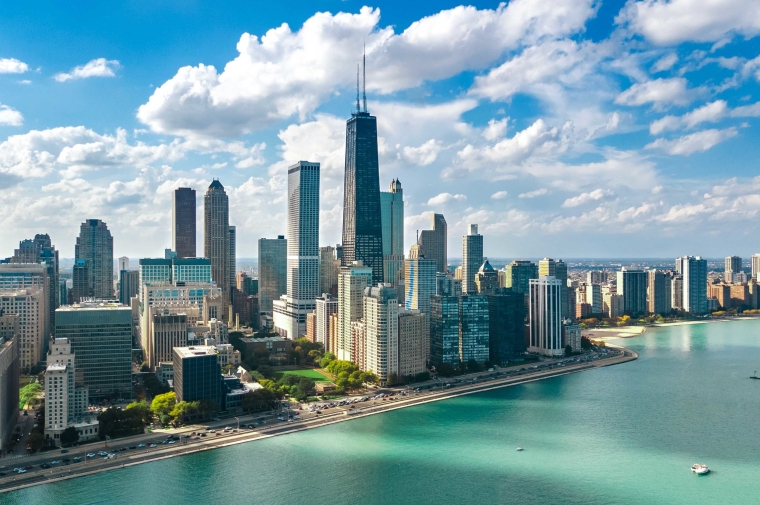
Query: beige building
[[613, 304], [412, 336], [381, 327], [352, 281], [30, 305]]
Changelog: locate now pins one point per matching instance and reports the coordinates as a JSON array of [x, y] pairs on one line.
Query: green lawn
[[308, 373]]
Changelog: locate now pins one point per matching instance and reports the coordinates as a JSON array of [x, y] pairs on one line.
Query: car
[[66, 460], [64, 451], [44, 465], [90, 455], [280, 418], [133, 447], [153, 446], [250, 426], [77, 459], [218, 434], [111, 456], [227, 428], [187, 436], [172, 442], [102, 453], [55, 462], [21, 470], [28, 467], [212, 431], [3, 474], [141, 446], [203, 434], [122, 449]]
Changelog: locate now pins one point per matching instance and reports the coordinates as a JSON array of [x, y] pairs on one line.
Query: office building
[[289, 312], [392, 212], [183, 223], [632, 285], [472, 258], [447, 285], [95, 247], [100, 334], [694, 284], [129, 285], [613, 305], [518, 275], [596, 277], [487, 279], [326, 306], [40, 250], [352, 281], [246, 284], [545, 316], [233, 254], [273, 271], [755, 266], [433, 243], [166, 272], [80, 282], [571, 334], [311, 326], [329, 266], [197, 374], [381, 331], [658, 292], [444, 330], [123, 263], [420, 285], [413, 346], [362, 216], [10, 370], [216, 238], [733, 266], [506, 322], [29, 304], [66, 398], [474, 339], [167, 332], [459, 329], [548, 267]]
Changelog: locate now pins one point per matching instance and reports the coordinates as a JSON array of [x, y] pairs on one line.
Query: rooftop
[[195, 351]]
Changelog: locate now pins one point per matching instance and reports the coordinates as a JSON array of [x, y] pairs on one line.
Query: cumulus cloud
[[534, 194], [660, 92], [444, 198], [710, 112], [12, 66], [670, 22], [423, 155], [696, 142], [495, 129], [99, 67], [585, 198], [665, 63], [10, 116], [499, 195]]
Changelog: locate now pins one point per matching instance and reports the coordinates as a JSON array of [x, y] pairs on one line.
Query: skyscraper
[[487, 279], [362, 217], [755, 266], [433, 243], [506, 321], [392, 212], [129, 285], [183, 222], [303, 251], [41, 251], [694, 284], [420, 284], [472, 258], [558, 270], [352, 281], [329, 267], [632, 284], [519, 274], [545, 316], [327, 305], [273, 270], [10, 369], [658, 292], [733, 266], [95, 247], [216, 234], [381, 331]]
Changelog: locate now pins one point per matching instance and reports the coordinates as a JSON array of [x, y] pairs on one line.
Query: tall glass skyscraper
[[392, 210], [95, 247], [273, 254], [216, 232], [183, 222], [362, 220], [472, 258]]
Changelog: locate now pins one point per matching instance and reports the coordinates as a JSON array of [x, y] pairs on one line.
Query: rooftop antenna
[[357, 89], [364, 76]]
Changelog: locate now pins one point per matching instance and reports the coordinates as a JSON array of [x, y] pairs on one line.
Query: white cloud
[[534, 194], [10, 116], [665, 63], [499, 195], [495, 129], [445, 198], [12, 66], [747, 110], [660, 92], [99, 67], [710, 112], [423, 155], [670, 22], [696, 142], [585, 198]]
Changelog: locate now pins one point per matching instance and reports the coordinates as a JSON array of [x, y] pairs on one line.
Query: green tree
[[163, 404], [258, 400], [29, 393], [144, 367], [69, 436], [585, 343], [115, 422], [143, 409], [35, 440], [568, 350]]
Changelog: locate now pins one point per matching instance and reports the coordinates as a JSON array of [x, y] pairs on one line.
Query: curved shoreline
[[164, 452]]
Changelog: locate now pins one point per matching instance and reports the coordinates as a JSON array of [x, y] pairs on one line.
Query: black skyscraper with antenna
[[362, 224]]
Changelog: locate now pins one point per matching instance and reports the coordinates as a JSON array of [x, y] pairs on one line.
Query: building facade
[[472, 258], [413, 346], [506, 322], [352, 281], [392, 212], [10, 370], [658, 292], [381, 331], [326, 306], [197, 374], [632, 285], [94, 246], [545, 316], [273, 271], [694, 284], [433, 243], [216, 237], [30, 306], [183, 222]]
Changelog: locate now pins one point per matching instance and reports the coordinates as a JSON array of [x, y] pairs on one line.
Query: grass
[[312, 374]]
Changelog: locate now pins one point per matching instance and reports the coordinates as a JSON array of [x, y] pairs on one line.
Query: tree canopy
[[163, 404]]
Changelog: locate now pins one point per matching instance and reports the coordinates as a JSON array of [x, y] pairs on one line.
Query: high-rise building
[[392, 212], [487, 279], [694, 284], [167, 332], [558, 270], [613, 304], [459, 329], [197, 374], [632, 285], [362, 217], [303, 251], [755, 266], [506, 321], [40, 250], [100, 335], [352, 281], [216, 238], [420, 285], [326, 306], [273, 270], [412, 343], [433, 243], [129, 285], [30, 304], [676, 292], [733, 266], [596, 277], [472, 258], [183, 223], [233, 255], [381, 331], [80, 282], [329, 266], [545, 316], [474, 338], [519, 274], [658, 292], [160, 271], [95, 247], [123, 263], [447, 285], [444, 330], [10, 370]]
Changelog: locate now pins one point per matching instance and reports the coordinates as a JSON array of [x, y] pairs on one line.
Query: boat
[[754, 376], [700, 469], [519, 448]]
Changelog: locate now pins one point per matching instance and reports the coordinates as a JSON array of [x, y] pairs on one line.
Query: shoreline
[[637, 331], [164, 452]]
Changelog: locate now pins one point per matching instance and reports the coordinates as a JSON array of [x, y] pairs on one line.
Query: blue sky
[[566, 128]]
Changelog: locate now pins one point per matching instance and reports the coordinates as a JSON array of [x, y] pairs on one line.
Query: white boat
[[700, 469], [519, 448]]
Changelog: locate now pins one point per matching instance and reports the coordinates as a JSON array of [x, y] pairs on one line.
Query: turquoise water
[[625, 434]]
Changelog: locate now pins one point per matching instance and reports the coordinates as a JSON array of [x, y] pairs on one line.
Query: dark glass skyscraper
[[183, 222], [362, 220]]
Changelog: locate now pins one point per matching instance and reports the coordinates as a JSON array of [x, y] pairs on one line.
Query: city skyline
[[534, 162]]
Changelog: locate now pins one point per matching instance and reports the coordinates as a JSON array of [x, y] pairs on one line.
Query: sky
[[564, 128]]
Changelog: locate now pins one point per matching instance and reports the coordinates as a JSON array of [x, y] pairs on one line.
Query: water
[[625, 434]]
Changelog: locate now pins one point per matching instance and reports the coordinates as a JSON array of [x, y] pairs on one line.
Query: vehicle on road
[[141, 446], [153, 446], [64, 451], [90, 454], [77, 459]]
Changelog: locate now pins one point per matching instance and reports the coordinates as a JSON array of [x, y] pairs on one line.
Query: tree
[[568, 350], [143, 409], [28, 394], [144, 367], [585, 343], [265, 370], [35, 440], [115, 422], [163, 404], [69, 436]]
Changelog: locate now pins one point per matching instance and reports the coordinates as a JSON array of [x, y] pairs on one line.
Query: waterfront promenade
[[441, 390]]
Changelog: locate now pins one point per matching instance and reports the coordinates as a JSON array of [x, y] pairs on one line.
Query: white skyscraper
[[381, 331], [326, 306], [755, 266], [123, 263], [303, 251], [472, 258], [392, 213], [352, 281], [545, 316]]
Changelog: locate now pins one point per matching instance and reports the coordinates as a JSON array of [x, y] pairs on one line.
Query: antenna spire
[[357, 89], [364, 76]]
